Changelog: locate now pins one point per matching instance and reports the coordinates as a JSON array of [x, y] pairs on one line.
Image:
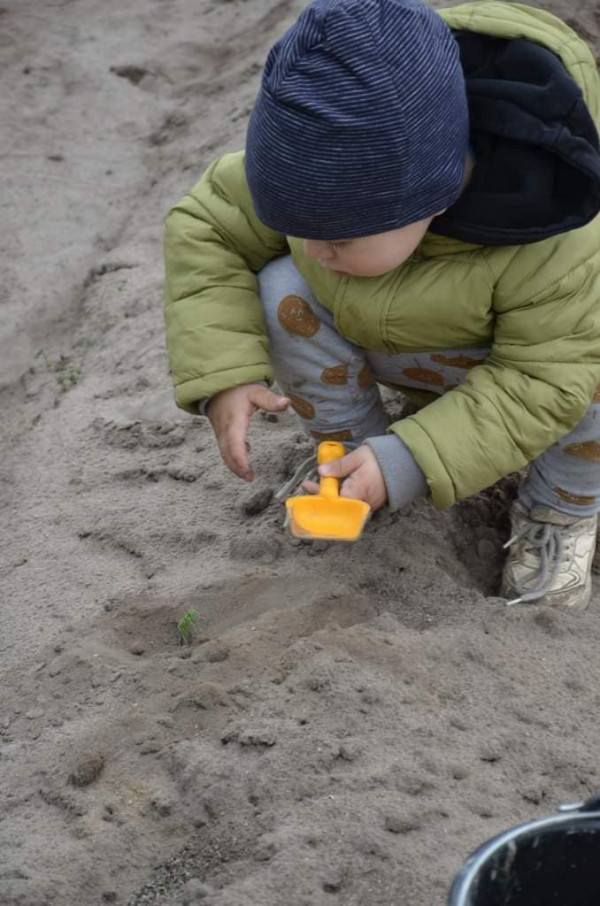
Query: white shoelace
[[306, 471], [547, 542]]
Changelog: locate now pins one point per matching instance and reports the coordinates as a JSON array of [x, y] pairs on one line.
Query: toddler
[[416, 207]]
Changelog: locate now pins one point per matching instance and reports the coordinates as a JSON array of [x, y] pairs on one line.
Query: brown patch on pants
[[588, 450], [424, 376], [365, 378], [297, 317], [575, 499], [302, 407], [340, 436], [456, 361], [337, 374]]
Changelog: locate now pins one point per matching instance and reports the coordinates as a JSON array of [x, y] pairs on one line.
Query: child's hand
[[362, 477], [229, 413]]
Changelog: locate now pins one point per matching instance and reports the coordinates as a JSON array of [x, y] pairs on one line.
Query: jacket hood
[[535, 143]]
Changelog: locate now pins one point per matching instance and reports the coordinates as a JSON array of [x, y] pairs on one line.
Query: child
[[416, 206]]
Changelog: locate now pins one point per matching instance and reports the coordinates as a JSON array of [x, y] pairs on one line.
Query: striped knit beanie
[[361, 122]]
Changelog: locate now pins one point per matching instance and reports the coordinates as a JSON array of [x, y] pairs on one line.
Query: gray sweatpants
[[332, 384]]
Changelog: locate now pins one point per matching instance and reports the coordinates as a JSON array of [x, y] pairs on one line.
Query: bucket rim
[[473, 864]]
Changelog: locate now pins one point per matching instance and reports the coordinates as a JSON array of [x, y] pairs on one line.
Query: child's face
[[369, 256]]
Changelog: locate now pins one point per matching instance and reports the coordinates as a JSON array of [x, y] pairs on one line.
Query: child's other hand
[[229, 413], [362, 477]]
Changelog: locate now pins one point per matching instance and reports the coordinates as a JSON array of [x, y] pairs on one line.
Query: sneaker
[[550, 558]]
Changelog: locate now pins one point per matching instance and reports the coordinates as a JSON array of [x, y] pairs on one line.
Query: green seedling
[[67, 371], [186, 627]]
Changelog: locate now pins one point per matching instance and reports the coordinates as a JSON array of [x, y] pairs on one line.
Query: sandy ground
[[347, 724]]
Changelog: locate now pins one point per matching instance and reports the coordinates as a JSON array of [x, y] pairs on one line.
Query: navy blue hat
[[361, 123]]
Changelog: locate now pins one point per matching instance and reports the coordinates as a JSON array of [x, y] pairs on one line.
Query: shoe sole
[[580, 604]]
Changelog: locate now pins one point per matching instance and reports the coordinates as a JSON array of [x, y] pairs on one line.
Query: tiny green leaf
[[186, 627]]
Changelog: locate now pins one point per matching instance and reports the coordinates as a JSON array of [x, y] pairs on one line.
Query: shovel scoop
[[327, 516]]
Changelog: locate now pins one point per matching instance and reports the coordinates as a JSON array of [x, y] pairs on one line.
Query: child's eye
[[334, 246]]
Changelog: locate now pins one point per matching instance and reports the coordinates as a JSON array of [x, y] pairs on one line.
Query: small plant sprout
[[186, 627], [67, 371]]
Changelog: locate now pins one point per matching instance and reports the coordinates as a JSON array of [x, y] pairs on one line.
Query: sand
[[347, 724]]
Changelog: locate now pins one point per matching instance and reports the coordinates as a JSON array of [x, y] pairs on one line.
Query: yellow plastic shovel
[[326, 515]]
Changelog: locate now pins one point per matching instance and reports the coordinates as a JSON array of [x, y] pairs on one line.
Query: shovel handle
[[327, 452]]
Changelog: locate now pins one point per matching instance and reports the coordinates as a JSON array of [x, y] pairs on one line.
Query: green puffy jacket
[[537, 305]]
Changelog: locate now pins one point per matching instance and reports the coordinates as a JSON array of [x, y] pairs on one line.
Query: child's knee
[[278, 279]]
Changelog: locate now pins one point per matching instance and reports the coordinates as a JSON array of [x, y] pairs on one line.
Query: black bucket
[[552, 862]]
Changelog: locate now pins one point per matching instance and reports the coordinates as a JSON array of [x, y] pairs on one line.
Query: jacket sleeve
[[214, 246], [535, 386]]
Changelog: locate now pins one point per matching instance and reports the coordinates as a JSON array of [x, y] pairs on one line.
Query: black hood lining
[[536, 147]]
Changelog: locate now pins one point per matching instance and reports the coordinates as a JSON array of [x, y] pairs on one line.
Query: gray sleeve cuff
[[403, 478]]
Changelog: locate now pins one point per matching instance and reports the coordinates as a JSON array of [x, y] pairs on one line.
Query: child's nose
[[313, 248]]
